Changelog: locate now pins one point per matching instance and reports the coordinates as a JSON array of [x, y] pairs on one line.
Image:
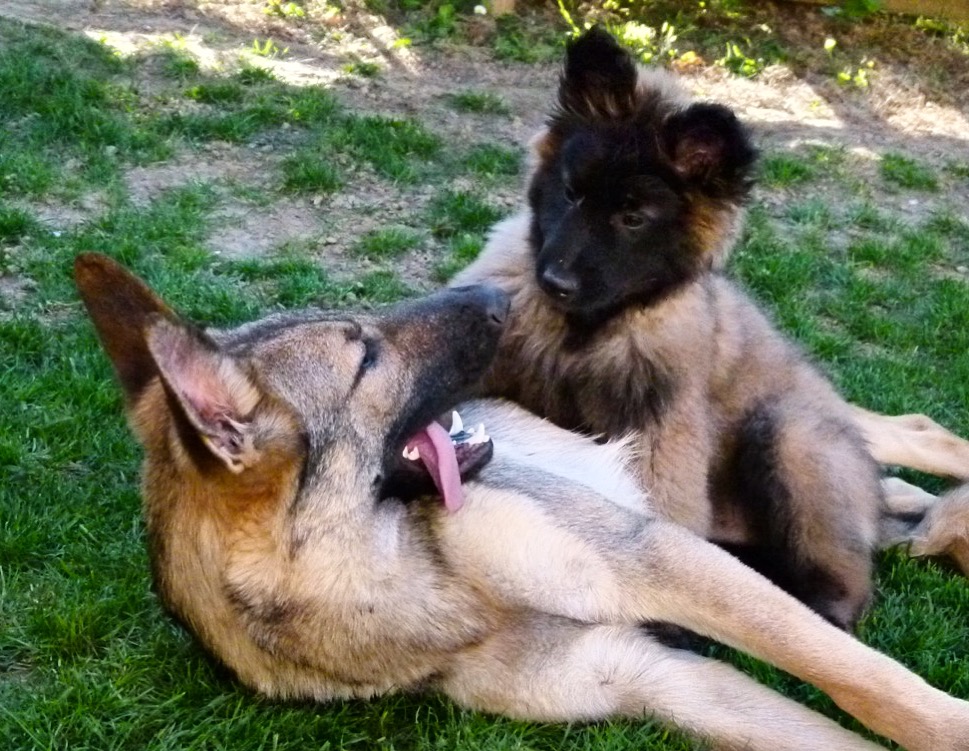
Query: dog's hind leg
[[813, 499], [611, 566], [914, 441], [550, 669]]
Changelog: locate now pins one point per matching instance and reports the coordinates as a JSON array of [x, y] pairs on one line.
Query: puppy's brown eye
[[632, 220]]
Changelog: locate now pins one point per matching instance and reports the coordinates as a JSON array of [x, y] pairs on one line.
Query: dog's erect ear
[[215, 394], [599, 79], [121, 306], [706, 143]]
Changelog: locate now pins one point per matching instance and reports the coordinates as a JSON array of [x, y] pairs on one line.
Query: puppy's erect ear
[[708, 146], [215, 394], [599, 79], [121, 306]]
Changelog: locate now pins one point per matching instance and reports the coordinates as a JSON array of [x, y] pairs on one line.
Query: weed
[[489, 160], [479, 102], [649, 43], [216, 92], [462, 250], [389, 242], [908, 173], [178, 64], [454, 212], [267, 48], [362, 68], [251, 75], [308, 171], [396, 148], [518, 39], [282, 9], [782, 170]]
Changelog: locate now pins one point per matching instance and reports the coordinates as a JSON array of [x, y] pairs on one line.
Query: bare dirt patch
[[785, 107]]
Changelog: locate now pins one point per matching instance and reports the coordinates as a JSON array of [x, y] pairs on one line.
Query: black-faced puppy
[[622, 323]]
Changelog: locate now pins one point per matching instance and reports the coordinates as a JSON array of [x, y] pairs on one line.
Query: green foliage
[[362, 68], [488, 160], [453, 212], [479, 102], [308, 171], [782, 170], [396, 148], [390, 242], [908, 173]]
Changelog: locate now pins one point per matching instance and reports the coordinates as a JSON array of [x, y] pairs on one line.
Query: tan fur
[[527, 601], [723, 359]]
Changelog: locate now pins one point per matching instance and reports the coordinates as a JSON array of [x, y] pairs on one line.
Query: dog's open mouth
[[449, 456]]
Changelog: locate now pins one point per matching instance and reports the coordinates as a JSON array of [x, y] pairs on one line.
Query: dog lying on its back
[[288, 531], [623, 324]]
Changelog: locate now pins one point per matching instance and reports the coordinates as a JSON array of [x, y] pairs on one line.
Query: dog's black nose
[[557, 281], [498, 304], [493, 301]]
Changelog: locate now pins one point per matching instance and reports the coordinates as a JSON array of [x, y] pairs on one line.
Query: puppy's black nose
[[557, 281]]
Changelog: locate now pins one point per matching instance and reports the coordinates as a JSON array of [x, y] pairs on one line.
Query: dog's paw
[[945, 529]]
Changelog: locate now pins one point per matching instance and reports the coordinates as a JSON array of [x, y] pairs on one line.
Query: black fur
[[624, 173], [754, 477]]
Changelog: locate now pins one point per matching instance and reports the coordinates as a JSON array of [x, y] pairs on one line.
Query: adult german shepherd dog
[[292, 533], [623, 324]]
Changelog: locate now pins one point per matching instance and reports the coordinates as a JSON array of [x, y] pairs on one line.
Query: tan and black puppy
[[622, 323]]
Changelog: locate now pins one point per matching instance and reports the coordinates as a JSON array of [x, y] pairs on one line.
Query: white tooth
[[412, 453], [479, 436], [480, 429], [457, 426]]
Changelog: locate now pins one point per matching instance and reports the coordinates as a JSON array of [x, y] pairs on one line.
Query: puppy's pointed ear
[[599, 79], [213, 391], [121, 306], [708, 146]]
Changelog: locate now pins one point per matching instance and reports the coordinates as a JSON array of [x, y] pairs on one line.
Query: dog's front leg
[[697, 585], [551, 669], [591, 561], [914, 441]]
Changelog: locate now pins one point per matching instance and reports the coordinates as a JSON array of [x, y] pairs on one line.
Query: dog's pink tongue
[[437, 453]]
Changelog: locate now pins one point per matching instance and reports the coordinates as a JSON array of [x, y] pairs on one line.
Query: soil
[[902, 111]]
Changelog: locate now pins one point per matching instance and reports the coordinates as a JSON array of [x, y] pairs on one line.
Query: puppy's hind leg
[[813, 497], [551, 669]]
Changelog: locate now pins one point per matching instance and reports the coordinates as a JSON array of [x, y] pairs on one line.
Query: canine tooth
[[457, 425], [478, 435], [412, 453]]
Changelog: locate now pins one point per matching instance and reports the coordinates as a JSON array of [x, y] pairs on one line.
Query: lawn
[[236, 188]]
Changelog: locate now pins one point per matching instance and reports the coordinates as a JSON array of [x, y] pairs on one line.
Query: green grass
[[479, 102], [906, 172], [489, 160], [782, 170], [452, 212], [390, 242], [309, 171], [88, 660]]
